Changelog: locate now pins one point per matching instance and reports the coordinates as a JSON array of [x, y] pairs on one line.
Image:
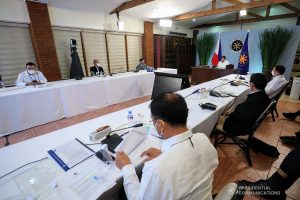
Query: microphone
[[215, 93], [192, 93], [134, 126]]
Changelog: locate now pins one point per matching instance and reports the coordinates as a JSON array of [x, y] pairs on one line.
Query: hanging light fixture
[[120, 24]]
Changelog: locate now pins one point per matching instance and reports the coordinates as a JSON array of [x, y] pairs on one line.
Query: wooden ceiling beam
[[237, 15], [268, 11], [283, 16], [213, 4], [236, 7], [129, 4], [254, 15], [233, 1], [293, 8]]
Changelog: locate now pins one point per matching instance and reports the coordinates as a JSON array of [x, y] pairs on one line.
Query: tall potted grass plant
[[272, 43], [204, 45]]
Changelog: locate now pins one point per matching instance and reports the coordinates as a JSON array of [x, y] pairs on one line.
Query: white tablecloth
[[36, 148], [24, 108]]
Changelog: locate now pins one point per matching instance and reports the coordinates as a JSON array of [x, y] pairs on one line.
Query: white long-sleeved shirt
[[274, 85], [222, 65], [24, 78], [184, 170]]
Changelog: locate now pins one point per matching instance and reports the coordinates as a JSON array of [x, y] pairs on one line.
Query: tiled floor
[[232, 163]]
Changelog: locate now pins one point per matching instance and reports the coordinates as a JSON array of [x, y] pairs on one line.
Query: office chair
[[276, 98], [244, 144]]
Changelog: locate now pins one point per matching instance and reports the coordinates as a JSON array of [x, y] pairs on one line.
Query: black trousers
[[291, 166]]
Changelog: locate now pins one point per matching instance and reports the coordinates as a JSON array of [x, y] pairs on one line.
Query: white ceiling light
[[120, 25], [165, 22], [194, 19], [243, 12]]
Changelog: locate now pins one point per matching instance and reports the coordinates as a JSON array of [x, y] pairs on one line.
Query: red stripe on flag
[[215, 60]]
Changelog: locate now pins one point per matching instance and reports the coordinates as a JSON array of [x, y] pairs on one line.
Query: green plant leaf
[[205, 45], [272, 43]]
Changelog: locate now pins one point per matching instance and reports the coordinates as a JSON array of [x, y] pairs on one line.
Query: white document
[[135, 138], [88, 180], [70, 154]]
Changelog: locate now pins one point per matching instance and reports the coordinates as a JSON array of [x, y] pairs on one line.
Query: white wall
[[73, 18], [249, 26], [14, 11], [165, 31]]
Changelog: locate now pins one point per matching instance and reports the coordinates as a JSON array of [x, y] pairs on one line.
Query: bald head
[[171, 108]]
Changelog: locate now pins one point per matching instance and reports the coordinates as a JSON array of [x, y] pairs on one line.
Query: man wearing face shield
[[277, 82], [96, 70], [31, 76], [183, 168]]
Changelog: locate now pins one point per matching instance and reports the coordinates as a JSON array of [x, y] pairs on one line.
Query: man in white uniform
[[31, 76], [278, 81], [183, 168], [223, 63]]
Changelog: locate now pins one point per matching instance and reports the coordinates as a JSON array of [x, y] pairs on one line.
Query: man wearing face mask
[[245, 114], [96, 70], [31, 76], [183, 168], [278, 81]]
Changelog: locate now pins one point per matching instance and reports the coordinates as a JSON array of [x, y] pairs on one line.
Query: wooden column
[[42, 40], [148, 47], [87, 71], [126, 48]]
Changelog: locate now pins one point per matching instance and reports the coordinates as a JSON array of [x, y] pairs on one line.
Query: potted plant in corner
[[205, 44], [272, 43]]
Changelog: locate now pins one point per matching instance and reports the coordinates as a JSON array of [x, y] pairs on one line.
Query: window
[[117, 52], [135, 50], [95, 47], [62, 38], [15, 51]]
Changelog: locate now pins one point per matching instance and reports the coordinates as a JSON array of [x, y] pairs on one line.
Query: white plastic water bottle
[[130, 118]]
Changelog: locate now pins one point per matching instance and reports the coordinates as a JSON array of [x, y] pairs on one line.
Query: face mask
[[31, 71], [160, 134], [98, 65]]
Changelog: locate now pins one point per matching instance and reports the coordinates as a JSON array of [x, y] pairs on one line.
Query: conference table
[[23, 108], [59, 183]]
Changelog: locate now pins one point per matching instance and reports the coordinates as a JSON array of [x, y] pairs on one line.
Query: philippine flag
[[218, 53]]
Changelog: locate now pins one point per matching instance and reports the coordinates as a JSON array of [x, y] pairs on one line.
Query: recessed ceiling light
[[165, 23], [243, 12], [194, 19]]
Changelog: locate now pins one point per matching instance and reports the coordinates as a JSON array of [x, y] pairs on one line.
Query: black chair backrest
[[282, 89], [230, 66], [261, 118]]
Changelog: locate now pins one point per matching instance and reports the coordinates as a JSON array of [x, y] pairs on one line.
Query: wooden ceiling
[[231, 6], [129, 4], [237, 6], [294, 12]]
